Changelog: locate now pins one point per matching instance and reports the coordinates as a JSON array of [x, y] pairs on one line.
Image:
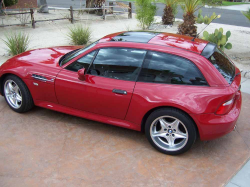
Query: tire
[[170, 131], [17, 94]]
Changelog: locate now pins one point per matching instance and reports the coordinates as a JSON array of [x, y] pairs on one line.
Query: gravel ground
[[49, 33]]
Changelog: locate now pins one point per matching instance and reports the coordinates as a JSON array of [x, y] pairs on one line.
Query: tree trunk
[[95, 4], [42, 6], [1, 7], [168, 16], [90, 3], [98, 4], [188, 26]]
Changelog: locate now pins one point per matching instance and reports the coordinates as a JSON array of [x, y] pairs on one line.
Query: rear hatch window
[[222, 63]]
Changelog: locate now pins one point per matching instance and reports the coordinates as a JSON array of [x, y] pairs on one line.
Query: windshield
[[69, 56], [222, 63]]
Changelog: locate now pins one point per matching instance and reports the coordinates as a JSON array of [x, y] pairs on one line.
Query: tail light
[[225, 107]]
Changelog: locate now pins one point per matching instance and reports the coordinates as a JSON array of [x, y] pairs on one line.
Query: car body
[[126, 97]]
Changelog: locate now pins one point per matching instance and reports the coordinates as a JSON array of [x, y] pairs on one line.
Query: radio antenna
[[218, 16]]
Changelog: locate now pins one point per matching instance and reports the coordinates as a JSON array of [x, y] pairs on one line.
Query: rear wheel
[[170, 131], [17, 94]]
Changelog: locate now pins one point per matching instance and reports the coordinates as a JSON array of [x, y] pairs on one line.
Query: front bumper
[[212, 126]]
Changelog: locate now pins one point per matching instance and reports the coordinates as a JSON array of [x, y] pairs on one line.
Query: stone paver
[[47, 148], [231, 185], [243, 79], [242, 179], [245, 85]]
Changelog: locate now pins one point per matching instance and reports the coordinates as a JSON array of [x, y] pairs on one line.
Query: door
[[108, 85]]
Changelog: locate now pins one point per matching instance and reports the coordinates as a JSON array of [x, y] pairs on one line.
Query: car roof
[[158, 38]]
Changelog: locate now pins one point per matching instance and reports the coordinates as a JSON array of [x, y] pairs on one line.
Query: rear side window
[[118, 63], [223, 65], [170, 69]]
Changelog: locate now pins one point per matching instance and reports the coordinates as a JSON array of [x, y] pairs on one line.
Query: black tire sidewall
[[184, 118]]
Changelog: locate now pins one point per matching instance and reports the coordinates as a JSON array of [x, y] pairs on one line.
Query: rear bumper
[[212, 126]]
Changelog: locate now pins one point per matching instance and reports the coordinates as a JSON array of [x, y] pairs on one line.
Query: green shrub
[[247, 14], [10, 2], [206, 20], [17, 42], [145, 12], [200, 19], [79, 35], [218, 38]]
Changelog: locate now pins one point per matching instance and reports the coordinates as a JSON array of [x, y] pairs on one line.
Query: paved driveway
[[46, 148]]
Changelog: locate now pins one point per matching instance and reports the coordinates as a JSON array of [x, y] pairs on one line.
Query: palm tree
[[188, 27], [168, 15]]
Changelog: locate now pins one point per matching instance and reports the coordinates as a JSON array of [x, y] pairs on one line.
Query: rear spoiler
[[209, 50]]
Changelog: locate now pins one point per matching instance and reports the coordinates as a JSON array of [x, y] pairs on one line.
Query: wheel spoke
[[159, 134], [10, 87], [11, 99], [7, 90], [175, 124], [14, 101], [179, 134], [170, 140], [8, 94], [163, 124], [18, 98], [16, 88]]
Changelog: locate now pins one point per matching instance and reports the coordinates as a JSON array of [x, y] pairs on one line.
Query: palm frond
[[169, 3], [190, 6], [247, 14]]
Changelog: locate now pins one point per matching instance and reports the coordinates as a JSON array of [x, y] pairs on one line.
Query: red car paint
[[93, 98]]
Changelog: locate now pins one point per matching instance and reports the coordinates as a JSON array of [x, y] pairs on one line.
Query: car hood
[[45, 56]]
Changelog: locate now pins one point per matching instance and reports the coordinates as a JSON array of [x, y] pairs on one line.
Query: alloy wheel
[[13, 94], [169, 133]]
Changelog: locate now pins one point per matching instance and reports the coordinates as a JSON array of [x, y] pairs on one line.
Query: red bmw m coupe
[[172, 87]]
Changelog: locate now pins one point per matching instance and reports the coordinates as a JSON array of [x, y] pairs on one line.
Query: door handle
[[122, 92]]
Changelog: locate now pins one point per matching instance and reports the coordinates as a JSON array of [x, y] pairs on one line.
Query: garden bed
[[24, 4]]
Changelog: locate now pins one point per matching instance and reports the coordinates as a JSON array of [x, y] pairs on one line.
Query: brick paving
[[47, 148]]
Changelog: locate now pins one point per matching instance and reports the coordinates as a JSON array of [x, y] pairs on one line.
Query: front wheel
[[170, 131], [17, 94]]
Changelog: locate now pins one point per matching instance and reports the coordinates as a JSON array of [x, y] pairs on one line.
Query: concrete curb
[[245, 74]]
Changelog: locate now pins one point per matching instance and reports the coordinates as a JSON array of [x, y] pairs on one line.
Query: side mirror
[[81, 74]]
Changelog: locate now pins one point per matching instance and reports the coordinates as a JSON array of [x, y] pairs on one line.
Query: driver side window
[[83, 62], [118, 63]]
